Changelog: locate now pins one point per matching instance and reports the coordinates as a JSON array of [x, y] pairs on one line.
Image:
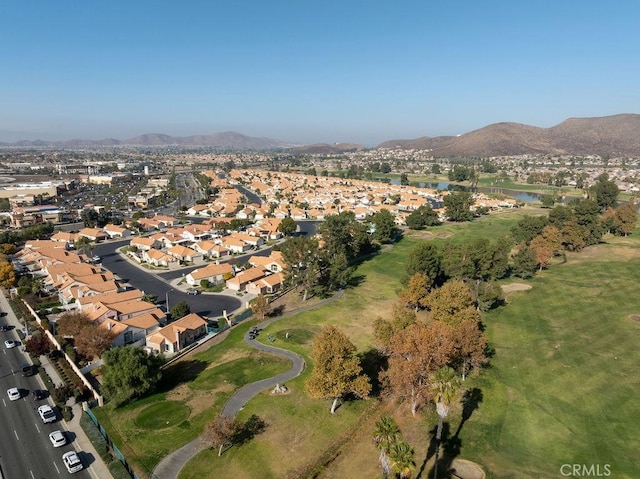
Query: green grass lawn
[[562, 387]]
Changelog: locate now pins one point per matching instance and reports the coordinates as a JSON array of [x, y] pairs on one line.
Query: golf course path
[[171, 465]]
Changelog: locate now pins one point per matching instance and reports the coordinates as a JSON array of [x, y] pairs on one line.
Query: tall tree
[[470, 345], [180, 310], [385, 435], [421, 217], [458, 206], [543, 251], [72, 323], [445, 386], [336, 368], [287, 226], [425, 258], [385, 226], [416, 352], [129, 373], [220, 432], [452, 303], [260, 306], [401, 317], [417, 292], [92, 341], [604, 192], [301, 256], [528, 228], [525, 262]]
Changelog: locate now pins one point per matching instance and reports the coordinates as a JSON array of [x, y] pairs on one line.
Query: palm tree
[[445, 386], [402, 463], [385, 435]]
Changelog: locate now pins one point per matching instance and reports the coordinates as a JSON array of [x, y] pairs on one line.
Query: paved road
[[171, 465], [206, 305], [25, 449]]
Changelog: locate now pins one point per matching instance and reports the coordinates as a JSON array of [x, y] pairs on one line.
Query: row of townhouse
[[181, 244], [264, 276], [323, 196], [89, 289]]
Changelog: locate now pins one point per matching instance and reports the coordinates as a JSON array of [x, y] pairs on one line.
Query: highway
[[25, 449]]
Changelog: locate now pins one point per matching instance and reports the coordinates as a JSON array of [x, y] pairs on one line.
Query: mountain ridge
[[614, 135]]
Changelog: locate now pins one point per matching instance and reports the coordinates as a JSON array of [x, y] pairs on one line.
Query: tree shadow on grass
[[180, 372], [355, 280], [373, 362], [450, 445], [431, 450], [471, 400]]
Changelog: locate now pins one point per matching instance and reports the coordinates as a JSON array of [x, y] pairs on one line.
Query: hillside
[[617, 135]]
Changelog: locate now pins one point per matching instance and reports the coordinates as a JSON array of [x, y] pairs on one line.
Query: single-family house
[[115, 231], [183, 253], [274, 262], [144, 243], [214, 273], [176, 336], [242, 279], [268, 285], [93, 234], [158, 258]]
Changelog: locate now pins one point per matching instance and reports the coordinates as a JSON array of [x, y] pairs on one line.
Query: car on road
[[28, 370], [193, 292], [14, 394], [57, 438], [47, 414], [72, 461], [38, 394], [9, 343], [4, 327]]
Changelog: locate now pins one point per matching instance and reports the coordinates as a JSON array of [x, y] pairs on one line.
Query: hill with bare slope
[[616, 135]]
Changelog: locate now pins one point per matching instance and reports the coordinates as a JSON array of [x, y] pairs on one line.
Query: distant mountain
[[228, 139], [326, 149], [616, 135]]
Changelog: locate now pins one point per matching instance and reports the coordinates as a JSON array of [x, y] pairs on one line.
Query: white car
[[10, 344], [72, 461], [47, 413], [57, 438], [14, 394]]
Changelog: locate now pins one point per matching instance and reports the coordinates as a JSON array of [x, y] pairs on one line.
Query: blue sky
[[330, 71]]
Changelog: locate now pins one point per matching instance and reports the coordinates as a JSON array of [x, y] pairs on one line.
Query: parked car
[[14, 394], [193, 292], [57, 438], [47, 414], [4, 327], [72, 461]]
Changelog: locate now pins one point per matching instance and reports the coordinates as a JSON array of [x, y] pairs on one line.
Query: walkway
[[171, 465]]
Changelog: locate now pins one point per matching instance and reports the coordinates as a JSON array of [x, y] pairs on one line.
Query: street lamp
[[166, 299]]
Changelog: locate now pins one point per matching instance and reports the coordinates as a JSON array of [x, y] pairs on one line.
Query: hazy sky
[[303, 71]]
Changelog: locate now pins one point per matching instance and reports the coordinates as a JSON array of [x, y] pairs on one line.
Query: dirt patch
[[635, 317], [429, 235], [512, 287], [466, 469]]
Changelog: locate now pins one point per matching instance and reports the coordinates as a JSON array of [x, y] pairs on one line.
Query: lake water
[[518, 195]]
